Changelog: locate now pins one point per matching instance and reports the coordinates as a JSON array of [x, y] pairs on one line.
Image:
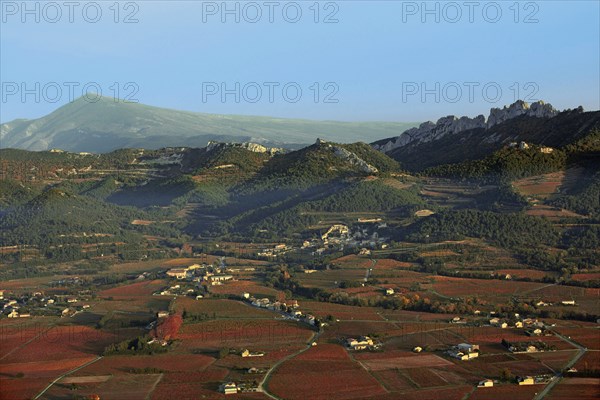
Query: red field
[[257, 334], [586, 277], [240, 286], [480, 287], [590, 360], [420, 361], [37, 374], [506, 391], [341, 311], [167, 362], [353, 261], [323, 372], [576, 388], [144, 288]]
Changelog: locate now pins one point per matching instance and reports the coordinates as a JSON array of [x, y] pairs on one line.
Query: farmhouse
[[229, 388], [219, 279], [486, 383], [464, 351], [525, 380], [361, 343], [468, 348], [248, 353], [13, 314], [389, 291], [179, 273]]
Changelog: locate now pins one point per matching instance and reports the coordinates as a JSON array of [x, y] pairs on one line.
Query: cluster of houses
[[178, 290], [362, 343], [290, 309], [242, 387], [277, 250], [200, 273], [516, 323], [464, 351], [525, 146], [521, 380], [527, 347], [37, 303]]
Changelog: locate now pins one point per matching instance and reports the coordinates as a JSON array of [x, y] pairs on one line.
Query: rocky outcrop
[[348, 156], [254, 147], [538, 109], [429, 131]]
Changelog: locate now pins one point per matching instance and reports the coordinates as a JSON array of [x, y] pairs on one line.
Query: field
[[323, 372], [576, 388], [43, 351]]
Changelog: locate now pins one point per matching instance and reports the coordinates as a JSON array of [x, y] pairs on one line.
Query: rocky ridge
[[429, 131], [254, 147]]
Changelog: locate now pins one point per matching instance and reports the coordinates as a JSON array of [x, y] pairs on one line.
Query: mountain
[[453, 140], [106, 125]]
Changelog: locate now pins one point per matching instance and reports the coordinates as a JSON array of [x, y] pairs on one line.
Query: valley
[[333, 271]]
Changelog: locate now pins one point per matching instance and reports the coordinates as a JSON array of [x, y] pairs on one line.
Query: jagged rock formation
[[254, 147], [429, 131], [538, 109]]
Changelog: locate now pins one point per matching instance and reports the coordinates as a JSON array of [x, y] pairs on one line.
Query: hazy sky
[[343, 60]]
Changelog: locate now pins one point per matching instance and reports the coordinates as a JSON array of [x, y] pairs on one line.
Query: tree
[[506, 375], [223, 352]]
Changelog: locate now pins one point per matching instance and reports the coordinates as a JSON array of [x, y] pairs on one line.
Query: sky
[[330, 60]]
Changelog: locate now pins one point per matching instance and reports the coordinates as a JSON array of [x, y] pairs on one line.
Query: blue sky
[[377, 60]]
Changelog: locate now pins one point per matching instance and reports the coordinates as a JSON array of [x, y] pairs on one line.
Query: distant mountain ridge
[[106, 125], [454, 140], [429, 131]]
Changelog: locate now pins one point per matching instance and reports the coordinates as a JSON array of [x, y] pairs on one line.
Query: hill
[[106, 125]]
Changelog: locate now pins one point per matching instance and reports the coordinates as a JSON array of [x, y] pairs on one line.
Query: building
[[467, 348], [179, 273], [525, 380], [246, 295], [361, 343], [417, 349], [389, 291], [486, 383], [464, 351], [219, 279], [568, 302], [248, 353], [229, 388], [162, 314]]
